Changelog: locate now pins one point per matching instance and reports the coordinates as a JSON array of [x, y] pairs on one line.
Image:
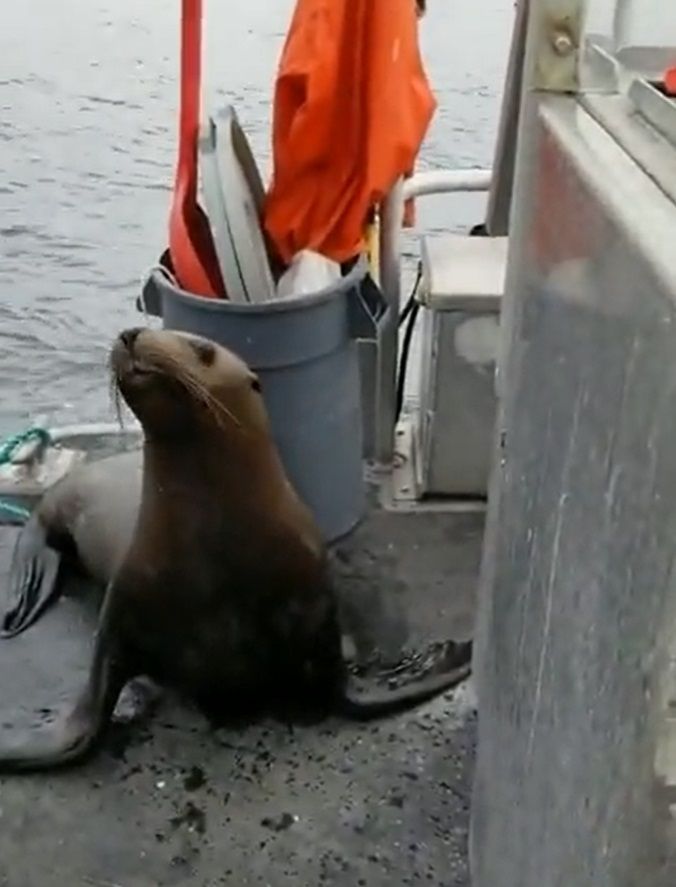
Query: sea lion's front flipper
[[77, 734], [421, 677], [33, 579]]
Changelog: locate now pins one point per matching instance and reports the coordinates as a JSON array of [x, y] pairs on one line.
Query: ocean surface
[[88, 114]]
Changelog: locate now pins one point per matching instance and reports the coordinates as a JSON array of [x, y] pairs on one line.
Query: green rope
[[16, 512], [8, 447], [11, 444]]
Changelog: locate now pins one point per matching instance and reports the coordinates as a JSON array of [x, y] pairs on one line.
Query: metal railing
[[422, 184]]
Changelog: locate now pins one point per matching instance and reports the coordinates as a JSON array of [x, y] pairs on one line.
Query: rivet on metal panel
[[557, 35], [562, 43]]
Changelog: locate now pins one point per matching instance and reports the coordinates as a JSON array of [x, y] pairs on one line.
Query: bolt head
[[562, 43]]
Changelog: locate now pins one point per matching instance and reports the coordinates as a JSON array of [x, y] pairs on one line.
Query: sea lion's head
[[180, 385]]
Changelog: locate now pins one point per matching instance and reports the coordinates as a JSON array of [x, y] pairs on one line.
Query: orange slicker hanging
[[352, 106]]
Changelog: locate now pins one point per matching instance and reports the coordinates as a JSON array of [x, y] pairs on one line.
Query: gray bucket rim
[[277, 306]]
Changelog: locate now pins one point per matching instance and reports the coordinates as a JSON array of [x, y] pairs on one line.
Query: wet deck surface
[[172, 802]]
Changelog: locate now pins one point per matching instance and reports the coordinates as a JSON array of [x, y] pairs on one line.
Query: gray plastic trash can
[[305, 352]]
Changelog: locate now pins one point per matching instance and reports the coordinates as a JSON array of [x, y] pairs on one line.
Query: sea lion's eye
[[256, 385], [205, 352]]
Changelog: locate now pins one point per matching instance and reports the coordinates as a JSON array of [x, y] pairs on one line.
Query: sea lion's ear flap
[[204, 350], [255, 383]]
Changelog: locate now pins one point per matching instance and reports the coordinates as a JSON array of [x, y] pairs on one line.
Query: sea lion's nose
[[128, 337]]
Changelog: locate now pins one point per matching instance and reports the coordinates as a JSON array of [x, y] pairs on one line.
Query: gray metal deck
[[171, 802]]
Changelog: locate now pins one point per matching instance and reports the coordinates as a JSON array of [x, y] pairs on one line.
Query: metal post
[[500, 196], [551, 39], [621, 23], [386, 371]]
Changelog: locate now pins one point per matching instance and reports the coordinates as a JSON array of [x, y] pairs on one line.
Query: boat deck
[[170, 801]]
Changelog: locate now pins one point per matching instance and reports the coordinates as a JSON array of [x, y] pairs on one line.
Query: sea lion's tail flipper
[[33, 579], [440, 667], [78, 733]]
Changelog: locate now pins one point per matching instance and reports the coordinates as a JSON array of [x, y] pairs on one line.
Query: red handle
[[190, 242], [191, 73], [670, 81]]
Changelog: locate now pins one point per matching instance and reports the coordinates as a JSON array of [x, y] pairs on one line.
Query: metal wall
[[577, 615]]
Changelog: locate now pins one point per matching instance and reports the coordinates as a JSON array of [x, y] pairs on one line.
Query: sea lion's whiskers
[[198, 389], [116, 396], [216, 409], [166, 364]]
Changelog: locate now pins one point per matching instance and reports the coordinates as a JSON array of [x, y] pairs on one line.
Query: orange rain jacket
[[352, 105]]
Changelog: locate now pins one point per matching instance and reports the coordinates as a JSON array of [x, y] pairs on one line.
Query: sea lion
[[217, 578]]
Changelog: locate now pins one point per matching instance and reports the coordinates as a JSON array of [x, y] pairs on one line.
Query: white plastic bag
[[308, 272]]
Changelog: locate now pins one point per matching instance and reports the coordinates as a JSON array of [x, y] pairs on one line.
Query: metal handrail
[[447, 181], [421, 184]]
